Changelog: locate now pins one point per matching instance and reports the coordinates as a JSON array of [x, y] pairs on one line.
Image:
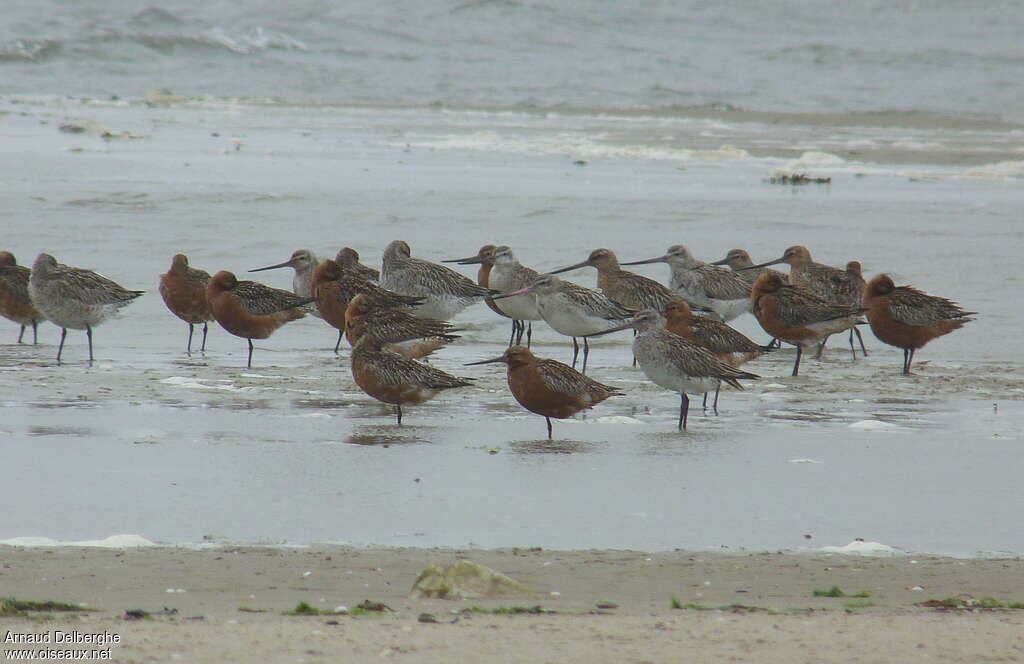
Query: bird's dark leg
[[821, 349], [529, 333], [35, 331], [202, 348], [512, 337], [549, 427], [684, 410], [249, 363], [64, 334], [575, 351], [714, 406], [188, 346], [21, 334], [341, 333], [88, 334], [704, 404], [796, 365], [398, 413], [586, 352], [634, 357], [860, 338]]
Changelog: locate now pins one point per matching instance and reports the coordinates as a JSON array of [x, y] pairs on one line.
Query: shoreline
[[595, 605]]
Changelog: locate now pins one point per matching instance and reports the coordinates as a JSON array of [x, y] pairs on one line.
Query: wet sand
[[737, 606]]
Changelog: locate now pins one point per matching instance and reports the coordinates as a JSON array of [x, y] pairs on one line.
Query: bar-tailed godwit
[[728, 344], [572, 310], [678, 364], [251, 310], [393, 379], [548, 387], [723, 291], [334, 287], [446, 291], [74, 298], [907, 318], [410, 336], [15, 304], [183, 289], [797, 315], [627, 288], [485, 259], [303, 261], [348, 259]]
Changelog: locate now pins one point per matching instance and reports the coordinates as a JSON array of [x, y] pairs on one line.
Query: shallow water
[[180, 449]]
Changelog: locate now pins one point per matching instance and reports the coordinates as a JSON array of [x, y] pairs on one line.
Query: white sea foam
[[112, 542], [862, 548], [873, 425], [193, 384], [997, 171]]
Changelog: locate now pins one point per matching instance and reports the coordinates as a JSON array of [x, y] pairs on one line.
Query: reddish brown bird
[[333, 288], [15, 303], [907, 318], [797, 315], [548, 387], [251, 310], [348, 259], [394, 379], [485, 259], [184, 291], [400, 332]]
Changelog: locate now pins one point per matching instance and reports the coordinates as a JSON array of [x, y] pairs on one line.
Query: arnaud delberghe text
[[54, 637]]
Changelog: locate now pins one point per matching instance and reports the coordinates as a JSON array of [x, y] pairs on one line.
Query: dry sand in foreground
[[774, 615]]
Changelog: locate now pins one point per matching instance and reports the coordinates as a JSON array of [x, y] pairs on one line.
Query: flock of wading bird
[[398, 315]]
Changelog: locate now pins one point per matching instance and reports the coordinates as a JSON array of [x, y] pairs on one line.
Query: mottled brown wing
[[263, 300], [394, 370], [912, 307], [797, 307], [564, 379], [722, 284], [88, 287]]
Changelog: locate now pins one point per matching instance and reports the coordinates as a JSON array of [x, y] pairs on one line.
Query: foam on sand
[[112, 542]]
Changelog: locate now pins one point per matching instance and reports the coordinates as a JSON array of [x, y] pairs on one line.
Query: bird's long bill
[[469, 260], [570, 267], [659, 259], [781, 259], [287, 263], [521, 291], [500, 358], [617, 328], [724, 261]]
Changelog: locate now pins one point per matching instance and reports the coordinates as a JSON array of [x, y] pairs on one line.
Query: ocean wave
[[28, 50], [245, 42]]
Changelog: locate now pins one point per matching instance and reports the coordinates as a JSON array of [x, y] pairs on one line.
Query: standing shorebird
[[446, 291], [678, 364], [627, 288], [723, 291], [401, 332], [572, 310], [728, 344], [348, 259], [548, 387], [485, 259], [797, 315], [907, 318], [333, 288], [184, 291], [501, 271], [72, 297], [303, 261], [15, 303], [394, 379], [843, 287], [251, 310]]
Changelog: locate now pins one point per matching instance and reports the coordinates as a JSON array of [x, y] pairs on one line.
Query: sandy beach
[[605, 606], [226, 604]]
